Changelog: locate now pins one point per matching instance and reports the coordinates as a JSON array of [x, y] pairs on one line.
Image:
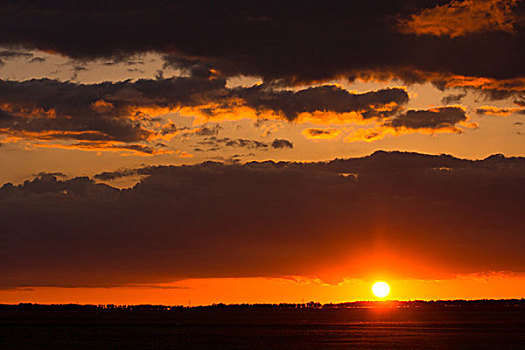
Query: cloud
[[497, 111], [321, 134], [453, 98], [280, 143], [209, 130], [369, 135], [459, 18], [128, 111], [215, 143], [38, 60], [184, 154], [265, 40], [112, 175], [327, 98], [421, 213], [100, 146], [450, 119], [489, 88], [244, 143], [433, 119], [44, 109], [13, 54], [127, 115]]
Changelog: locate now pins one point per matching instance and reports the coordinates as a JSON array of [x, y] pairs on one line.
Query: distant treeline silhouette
[[483, 303]]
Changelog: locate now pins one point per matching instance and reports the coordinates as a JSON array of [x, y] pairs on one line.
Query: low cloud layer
[[405, 214]]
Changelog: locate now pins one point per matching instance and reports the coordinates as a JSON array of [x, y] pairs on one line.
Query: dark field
[[445, 326]]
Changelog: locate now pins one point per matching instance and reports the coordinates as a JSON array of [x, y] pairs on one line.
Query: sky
[[198, 152]]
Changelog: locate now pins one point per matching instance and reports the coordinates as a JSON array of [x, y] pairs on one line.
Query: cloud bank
[[404, 214]]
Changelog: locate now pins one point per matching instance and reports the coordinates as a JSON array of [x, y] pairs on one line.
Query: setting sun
[[381, 289]]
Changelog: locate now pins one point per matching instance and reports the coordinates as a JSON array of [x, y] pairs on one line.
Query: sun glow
[[381, 289]]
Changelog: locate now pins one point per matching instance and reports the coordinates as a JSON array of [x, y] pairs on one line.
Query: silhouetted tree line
[[432, 304]]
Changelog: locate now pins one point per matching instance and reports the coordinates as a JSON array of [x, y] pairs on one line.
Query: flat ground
[[444, 327]]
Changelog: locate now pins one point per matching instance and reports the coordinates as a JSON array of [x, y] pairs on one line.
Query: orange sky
[[276, 290], [126, 171]]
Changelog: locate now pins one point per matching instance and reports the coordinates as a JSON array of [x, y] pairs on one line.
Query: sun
[[381, 289]]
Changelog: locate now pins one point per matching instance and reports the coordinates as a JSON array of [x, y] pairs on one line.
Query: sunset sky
[[261, 151]]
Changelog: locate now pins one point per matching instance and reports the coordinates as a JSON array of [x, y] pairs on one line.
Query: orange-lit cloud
[[101, 106], [134, 116], [498, 111], [133, 111], [184, 154], [99, 146], [458, 18], [369, 135], [321, 134], [450, 119], [378, 133], [494, 88]]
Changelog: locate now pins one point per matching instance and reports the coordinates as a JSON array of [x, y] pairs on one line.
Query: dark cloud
[[12, 54], [8, 54], [37, 60], [124, 112], [266, 219], [315, 133], [498, 111], [453, 98], [502, 94], [280, 143], [327, 98], [303, 41], [47, 109], [209, 130], [76, 70], [215, 143], [244, 143], [138, 148], [135, 70], [438, 118], [488, 88], [112, 175], [118, 60], [41, 107]]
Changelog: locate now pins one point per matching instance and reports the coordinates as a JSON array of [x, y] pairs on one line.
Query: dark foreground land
[[365, 325]]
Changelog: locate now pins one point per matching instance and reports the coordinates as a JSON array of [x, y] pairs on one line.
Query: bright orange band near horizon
[[207, 291]]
